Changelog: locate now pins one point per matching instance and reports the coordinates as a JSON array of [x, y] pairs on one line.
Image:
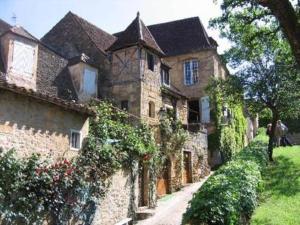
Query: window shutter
[[205, 110], [89, 82], [23, 58]]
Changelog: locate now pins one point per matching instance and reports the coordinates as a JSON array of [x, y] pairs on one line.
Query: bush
[[230, 195]]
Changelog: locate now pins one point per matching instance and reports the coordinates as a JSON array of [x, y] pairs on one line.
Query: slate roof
[[101, 38], [4, 26], [136, 33], [71, 105], [181, 36]]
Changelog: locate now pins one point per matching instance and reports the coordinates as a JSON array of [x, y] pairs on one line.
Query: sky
[[39, 16]]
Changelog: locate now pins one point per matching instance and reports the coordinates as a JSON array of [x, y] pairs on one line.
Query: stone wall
[[207, 69], [121, 200], [197, 145], [32, 126]]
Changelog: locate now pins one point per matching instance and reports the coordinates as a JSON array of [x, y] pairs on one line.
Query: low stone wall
[[120, 201]]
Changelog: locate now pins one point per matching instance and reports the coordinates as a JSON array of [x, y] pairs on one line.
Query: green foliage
[[280, 199], [173, 136], [230, 196], [230, 131], [33, 190]]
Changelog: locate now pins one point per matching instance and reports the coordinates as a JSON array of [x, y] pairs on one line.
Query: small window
[[191, 69], [23, 58], [150, 61], [151, 109], [165, 77], [90, 81], [75, 139], [124, 105]]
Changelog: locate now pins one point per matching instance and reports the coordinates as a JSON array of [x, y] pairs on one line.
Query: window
[[165, 77], [23, 58], [150, 61], [191, 68], [89, 81], [151, 109], [75, 139], [124, 105]]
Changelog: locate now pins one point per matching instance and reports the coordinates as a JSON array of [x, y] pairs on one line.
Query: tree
[[272, 81], [279, 15], [262, 58]]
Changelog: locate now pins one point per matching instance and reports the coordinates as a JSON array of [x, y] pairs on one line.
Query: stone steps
[[144, 213]]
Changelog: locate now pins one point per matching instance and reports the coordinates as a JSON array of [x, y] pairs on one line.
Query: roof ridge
[[140, 32], [153, 37], [172, 21], [75, 18], [74, 14]]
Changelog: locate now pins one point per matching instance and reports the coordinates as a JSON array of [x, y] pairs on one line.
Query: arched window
[[151, 109]]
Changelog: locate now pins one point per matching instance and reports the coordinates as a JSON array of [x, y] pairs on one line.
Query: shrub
[[230, 195]]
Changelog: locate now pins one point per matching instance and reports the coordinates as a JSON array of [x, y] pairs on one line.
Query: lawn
[[280, 200]]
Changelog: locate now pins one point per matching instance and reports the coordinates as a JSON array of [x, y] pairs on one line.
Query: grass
[[280, 200]]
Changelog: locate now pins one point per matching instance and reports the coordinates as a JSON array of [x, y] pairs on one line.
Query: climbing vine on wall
[[34, 190], [230, 122]]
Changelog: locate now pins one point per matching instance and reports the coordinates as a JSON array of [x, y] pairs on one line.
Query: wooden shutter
[[23, 58], [89, 82], [205, 110]]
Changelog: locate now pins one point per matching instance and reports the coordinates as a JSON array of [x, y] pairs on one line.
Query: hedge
[[230, 196]]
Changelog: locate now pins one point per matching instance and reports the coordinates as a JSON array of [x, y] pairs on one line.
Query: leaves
[[232, 192]]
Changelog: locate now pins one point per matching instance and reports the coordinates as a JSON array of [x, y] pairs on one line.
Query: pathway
[[170, 208]]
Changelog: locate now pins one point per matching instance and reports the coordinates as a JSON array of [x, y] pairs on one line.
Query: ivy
[[230, 130]]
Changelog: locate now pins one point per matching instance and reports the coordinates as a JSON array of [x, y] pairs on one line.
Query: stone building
[[144, 70]]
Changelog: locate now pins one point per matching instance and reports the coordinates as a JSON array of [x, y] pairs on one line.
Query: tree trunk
[[275, 117], [285, 13]]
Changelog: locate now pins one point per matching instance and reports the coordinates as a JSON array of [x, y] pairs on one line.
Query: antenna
[[14, 19]]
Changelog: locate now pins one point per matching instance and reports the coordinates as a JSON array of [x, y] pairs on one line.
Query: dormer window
[[23, 58], [89, 81], [165, 77], [150, 61]]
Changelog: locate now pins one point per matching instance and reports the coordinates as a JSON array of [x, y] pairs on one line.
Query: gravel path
[[171, 208]]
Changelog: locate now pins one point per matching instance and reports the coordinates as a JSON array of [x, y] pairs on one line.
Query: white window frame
[[80, 139], [194, 77], [14, 68], [83, 80]]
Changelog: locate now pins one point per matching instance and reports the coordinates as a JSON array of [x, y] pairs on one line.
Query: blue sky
[[38, 16]]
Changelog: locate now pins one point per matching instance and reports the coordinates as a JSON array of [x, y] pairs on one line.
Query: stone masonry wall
[[32, 126], [197, 144], [120, 201], [206, 71]]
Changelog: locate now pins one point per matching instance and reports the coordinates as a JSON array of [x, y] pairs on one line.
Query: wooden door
[[162, 186], [187, 175]]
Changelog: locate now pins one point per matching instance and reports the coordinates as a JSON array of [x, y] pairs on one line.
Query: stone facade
[[32, 126], [121, 199], [196, 145]]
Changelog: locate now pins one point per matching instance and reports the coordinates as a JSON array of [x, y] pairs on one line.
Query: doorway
[[187, 168]]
